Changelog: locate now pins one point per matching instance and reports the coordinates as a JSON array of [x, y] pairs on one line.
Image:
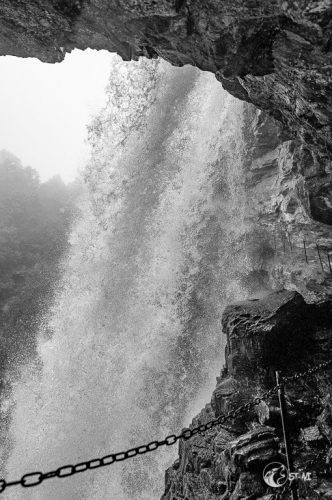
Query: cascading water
[[154, 257]]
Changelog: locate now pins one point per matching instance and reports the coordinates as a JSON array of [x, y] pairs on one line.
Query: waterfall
[[155, 255]]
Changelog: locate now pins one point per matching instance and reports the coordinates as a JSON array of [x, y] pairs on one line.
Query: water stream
[[155, 255]]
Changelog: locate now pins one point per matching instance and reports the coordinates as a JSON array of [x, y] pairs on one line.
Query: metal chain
[[310, 371], [36, 478]]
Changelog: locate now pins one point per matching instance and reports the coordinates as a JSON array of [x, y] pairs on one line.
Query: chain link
[[36, 478], [310, 371]]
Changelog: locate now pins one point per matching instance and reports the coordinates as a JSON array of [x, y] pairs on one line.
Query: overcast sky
[[44, 109]]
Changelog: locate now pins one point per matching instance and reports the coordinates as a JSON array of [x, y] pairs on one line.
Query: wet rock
[[267, 333], [254, 448], [321, 203], [311, 435], [222, 439], [324, 420], [285, 180], [224, 391], [229, 460], [248, 484]]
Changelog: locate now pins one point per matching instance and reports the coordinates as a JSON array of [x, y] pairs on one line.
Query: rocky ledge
[[278, 332]]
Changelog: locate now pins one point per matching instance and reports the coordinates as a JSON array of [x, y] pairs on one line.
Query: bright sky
[[44, 109]]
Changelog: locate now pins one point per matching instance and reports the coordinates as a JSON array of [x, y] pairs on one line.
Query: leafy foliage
[[34, 222]]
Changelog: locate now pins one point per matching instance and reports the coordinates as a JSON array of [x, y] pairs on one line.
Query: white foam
[[154, 258]]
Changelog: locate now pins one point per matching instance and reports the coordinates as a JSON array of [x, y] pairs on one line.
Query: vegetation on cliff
[[34, 222]]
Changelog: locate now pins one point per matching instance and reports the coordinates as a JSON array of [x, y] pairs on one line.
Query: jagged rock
[[263, 412], [248, 484], [324, 420], [283, 181], [222, 439], [256, 447], [225, 390], [278, 331], [265, 333], [321, 203], [262, 334]]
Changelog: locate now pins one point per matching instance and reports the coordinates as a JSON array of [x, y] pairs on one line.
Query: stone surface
[[286, 246], [274, 332], [279, 331], [257, 446]]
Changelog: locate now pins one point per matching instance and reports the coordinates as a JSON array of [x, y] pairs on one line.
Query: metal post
[[283, 412], [228, 342], [305, 252], [329, 259], [320, 259]]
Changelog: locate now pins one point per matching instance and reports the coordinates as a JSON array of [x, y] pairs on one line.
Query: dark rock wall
[[278, 332]]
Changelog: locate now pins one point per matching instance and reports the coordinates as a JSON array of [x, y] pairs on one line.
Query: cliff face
[[288, 212], [279, 332]]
